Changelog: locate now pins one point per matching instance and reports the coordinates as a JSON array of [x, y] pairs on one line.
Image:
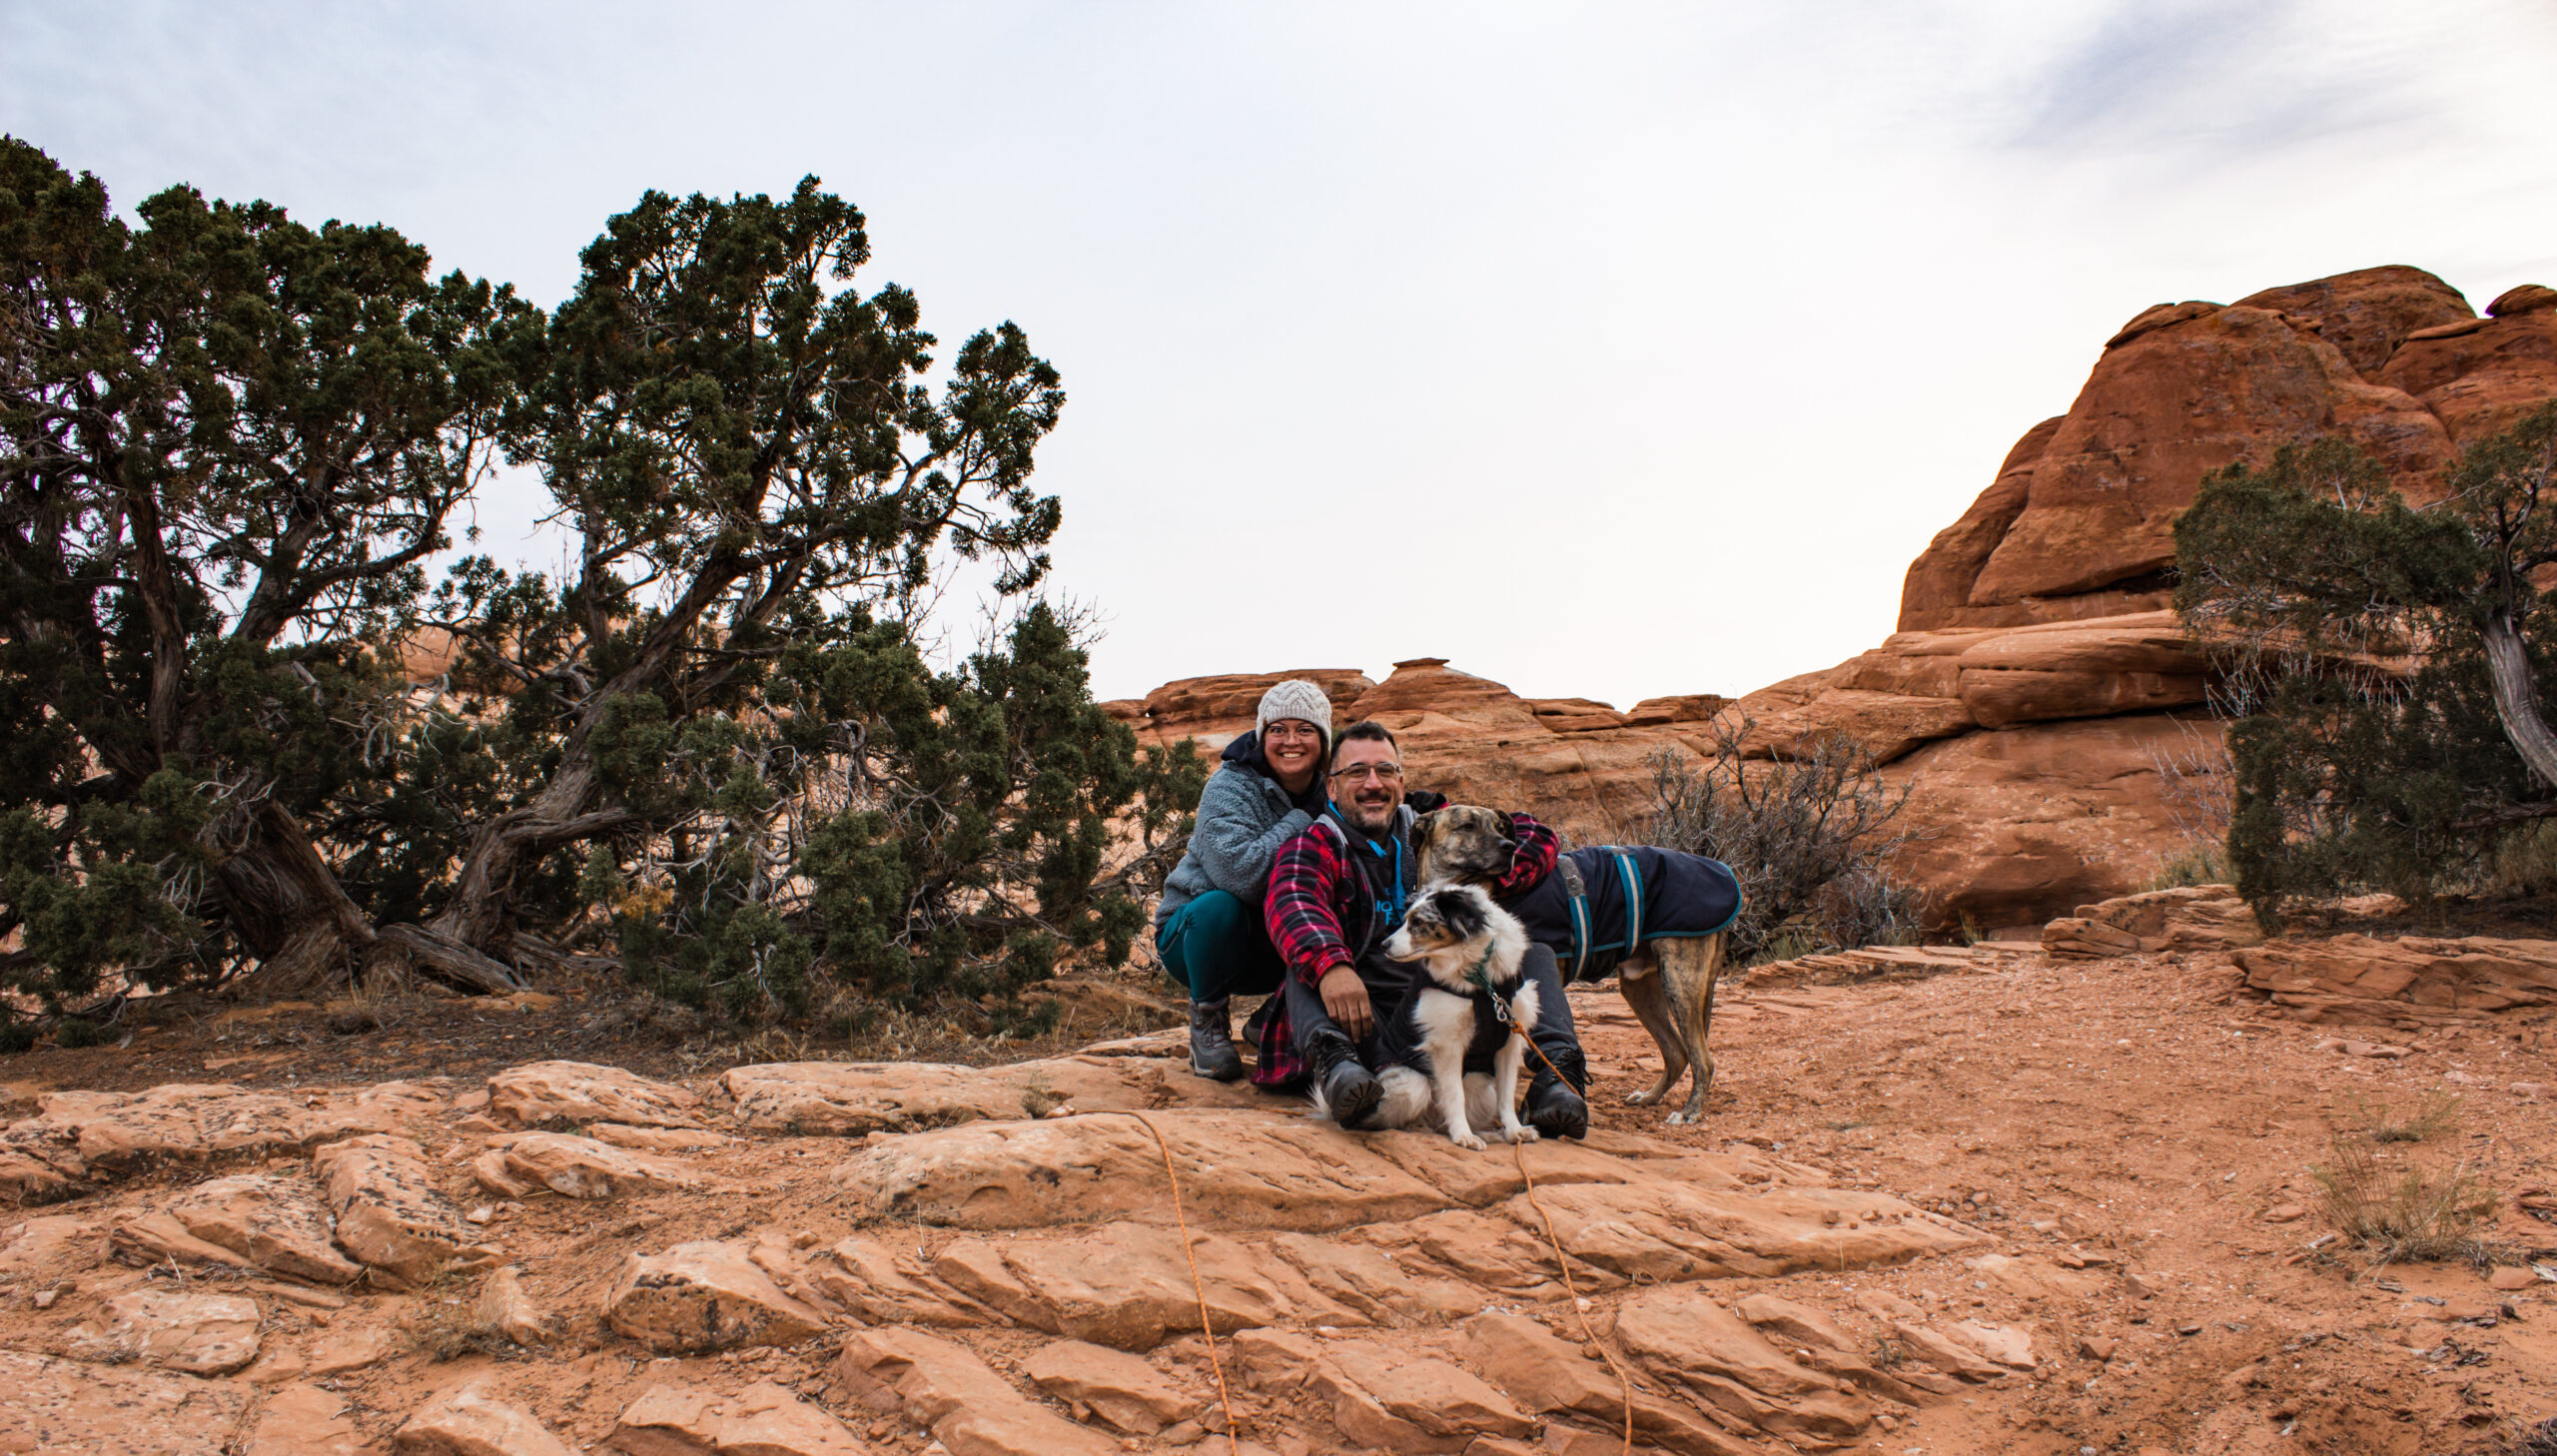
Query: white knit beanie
[[1295, 698]]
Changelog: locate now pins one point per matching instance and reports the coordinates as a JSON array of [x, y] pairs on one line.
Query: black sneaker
[[1350, 1091], [1211, 1043]]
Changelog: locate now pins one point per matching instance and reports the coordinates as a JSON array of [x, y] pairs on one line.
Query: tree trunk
[[2517, 698], [309, 938], [480, 914]]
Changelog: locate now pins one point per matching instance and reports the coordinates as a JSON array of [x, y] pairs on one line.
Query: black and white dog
[[1460, 1009]]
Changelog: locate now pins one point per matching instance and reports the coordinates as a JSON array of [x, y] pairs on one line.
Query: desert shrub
[[2402, 1213], [76, 1032], [2196, 863], [2197, 789], [2438, 1112], [2538, 1440], [1810, 837], [16, 1034]]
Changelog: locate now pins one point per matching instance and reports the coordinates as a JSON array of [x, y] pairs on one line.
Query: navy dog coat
[[1603, 903]]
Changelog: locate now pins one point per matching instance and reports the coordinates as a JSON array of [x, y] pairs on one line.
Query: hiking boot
[[1350, 1091], [1555, 1110], [1211, 1044], [1554, 1104]]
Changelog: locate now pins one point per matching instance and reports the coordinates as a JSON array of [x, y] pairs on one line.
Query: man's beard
[[1368, 818]]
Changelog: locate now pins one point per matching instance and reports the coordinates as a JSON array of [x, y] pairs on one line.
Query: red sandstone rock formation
[[2038, 683]]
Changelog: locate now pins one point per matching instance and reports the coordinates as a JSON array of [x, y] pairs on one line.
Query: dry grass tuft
[[2401, 1211], [1037, 1098], [2438, 1112], [450, 1324]]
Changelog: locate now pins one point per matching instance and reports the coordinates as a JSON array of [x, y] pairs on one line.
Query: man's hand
[[1344, 998]]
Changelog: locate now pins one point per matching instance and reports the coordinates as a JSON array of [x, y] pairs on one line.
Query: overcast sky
[[1608, 351]]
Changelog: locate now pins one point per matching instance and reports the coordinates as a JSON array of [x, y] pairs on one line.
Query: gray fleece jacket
[[1244, 817]]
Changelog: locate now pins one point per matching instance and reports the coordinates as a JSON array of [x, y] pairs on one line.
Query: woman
[[1208, 932]]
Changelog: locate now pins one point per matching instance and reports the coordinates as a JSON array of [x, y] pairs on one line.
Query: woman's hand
[[1345, 1000]]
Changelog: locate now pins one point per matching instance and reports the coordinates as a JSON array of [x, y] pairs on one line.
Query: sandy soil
[[2148, 1108]]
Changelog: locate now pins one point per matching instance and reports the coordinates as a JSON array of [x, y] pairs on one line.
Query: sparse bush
[[2382, 1122], [1808, 836], [2197, 789], [2198, 863], [2405, 1213], [16, 1034], [2538, 1440], [74, 1031]]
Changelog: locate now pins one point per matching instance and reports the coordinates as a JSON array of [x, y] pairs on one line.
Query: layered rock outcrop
[[2040, 702]]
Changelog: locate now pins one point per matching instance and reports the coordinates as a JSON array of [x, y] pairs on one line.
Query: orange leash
[[1200, 1287], [1579, 1309]]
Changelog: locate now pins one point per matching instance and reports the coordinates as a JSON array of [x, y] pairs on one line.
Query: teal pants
[[1216, 947]]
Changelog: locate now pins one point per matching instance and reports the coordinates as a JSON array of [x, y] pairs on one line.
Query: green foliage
[[917, 835], [229, 445], [2367, 745]]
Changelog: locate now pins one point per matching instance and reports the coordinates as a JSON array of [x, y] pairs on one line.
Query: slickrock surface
[[1952, 1199], [2193, 917], [2037, 686]]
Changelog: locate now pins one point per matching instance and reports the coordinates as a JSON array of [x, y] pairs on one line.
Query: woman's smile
[[1292, 746]]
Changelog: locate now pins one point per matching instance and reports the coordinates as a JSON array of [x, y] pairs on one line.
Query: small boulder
[[764, 1419], [574, 1094], [2509, 1278], [105, 1410], [703, 1296], [273, 1224], [197, 1334], [1127, 1394], [389, 1215], [579, 1168], [508, 1309], [969, 1408], [1798, 1322], [2012, 1348], [303, 1420], [466, 1421], [1941, 1352]]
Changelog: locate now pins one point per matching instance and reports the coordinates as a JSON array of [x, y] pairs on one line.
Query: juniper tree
[[2384, 664], [228, 444], [742, 446]]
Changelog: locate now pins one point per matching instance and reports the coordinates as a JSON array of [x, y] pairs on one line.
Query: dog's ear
[[1421, 829], [1460, 909]]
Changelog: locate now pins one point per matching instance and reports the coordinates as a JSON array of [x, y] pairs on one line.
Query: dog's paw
[[1525, 1135], [1639, 1099], [1470, 1142], [1681, 1120]]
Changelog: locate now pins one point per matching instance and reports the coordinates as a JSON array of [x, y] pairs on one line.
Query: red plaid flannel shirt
[[1317, 911]]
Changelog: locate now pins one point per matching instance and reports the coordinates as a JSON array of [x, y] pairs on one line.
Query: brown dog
[[1669, 980]]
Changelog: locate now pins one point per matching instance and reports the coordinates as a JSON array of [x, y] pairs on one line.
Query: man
[[1337, 892]]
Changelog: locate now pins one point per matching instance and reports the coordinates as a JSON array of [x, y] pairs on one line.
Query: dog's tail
[[1407, 1100]]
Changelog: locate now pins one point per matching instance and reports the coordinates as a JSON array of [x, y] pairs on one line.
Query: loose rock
[[109, 1410], [574, 1094], [389, 1215], [198, 1334], [703, 1296], [467, 1422]]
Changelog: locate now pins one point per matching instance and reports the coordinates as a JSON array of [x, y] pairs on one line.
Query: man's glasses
[[1385, 773]]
